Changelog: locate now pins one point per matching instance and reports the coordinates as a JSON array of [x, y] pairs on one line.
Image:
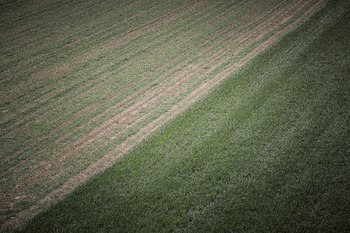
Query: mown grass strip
[[266, 151]]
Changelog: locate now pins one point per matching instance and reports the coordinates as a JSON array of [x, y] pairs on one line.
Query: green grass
[[267, 151], [69, 67]]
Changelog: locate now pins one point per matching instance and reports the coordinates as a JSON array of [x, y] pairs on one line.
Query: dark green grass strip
[[266, 151]]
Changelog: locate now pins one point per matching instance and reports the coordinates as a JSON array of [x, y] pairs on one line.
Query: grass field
[[267, 150]]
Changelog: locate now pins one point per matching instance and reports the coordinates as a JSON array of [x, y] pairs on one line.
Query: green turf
[[70, 70], [267, 151]]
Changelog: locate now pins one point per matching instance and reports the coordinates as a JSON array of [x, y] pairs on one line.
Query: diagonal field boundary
[[85, 140]]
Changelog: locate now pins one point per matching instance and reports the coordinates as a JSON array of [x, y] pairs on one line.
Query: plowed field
[[83, 82]]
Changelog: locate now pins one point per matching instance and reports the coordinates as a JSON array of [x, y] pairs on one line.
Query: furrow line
[[111, 71], [79, 12], [103, 76], [77, 48]]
